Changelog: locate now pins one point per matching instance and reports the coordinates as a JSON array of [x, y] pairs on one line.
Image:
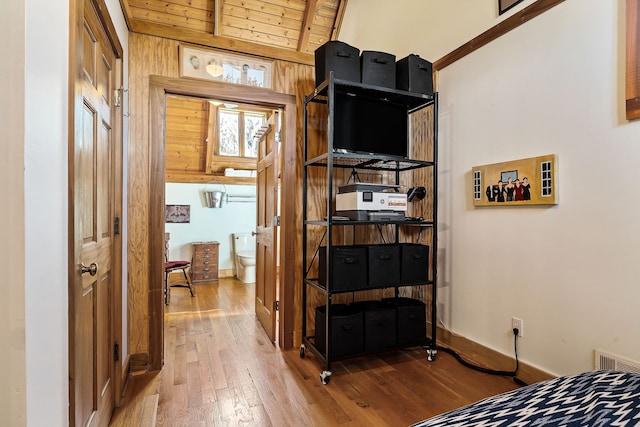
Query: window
[[237, 132]]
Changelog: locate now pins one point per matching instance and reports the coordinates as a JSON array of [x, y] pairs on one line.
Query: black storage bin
[[347, 332], [383, 265], [339, 57], [414, 74], [349, 268], [411, 320], [378, 68], [379, 325], [414, 264]]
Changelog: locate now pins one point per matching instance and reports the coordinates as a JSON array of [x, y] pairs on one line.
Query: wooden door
[[91, 358], [266, 237]]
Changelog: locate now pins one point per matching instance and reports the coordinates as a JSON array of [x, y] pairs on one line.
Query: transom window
[[225, 67]]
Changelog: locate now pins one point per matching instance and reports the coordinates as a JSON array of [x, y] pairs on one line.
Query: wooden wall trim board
[[633, 60], [173, 176], [498, 30]]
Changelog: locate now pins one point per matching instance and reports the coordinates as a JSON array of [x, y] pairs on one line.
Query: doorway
[[160, 87], [221, 169]]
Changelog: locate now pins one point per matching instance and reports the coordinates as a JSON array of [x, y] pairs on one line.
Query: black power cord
[[470, 365]]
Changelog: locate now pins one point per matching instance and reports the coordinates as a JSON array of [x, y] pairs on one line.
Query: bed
[[596, 398]]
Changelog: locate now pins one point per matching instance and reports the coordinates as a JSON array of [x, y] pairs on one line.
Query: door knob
[[92, 269], [253, 233]]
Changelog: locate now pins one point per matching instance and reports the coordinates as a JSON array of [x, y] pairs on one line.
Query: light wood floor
[[221, 370]]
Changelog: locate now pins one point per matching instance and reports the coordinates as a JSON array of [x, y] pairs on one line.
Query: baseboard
[[124, 381], [484, 356], [223, 274], [138, 363]]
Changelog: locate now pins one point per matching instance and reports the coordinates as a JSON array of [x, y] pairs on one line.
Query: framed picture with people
[[532, 181]]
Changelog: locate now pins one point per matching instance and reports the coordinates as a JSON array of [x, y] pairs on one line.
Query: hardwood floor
[[221, 370]]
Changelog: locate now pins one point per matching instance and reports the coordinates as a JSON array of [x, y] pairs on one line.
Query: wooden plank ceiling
[[289, 30]]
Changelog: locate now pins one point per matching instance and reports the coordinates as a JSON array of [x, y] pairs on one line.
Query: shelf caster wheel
[[325, 377], [431, 354], [303, 350]]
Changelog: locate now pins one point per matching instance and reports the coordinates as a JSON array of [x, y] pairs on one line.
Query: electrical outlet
[[519, 324]]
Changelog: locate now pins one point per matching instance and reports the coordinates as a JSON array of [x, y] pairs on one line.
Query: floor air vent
[[608, 361]]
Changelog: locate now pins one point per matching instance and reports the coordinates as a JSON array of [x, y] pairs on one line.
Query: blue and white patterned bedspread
[[597, 398]]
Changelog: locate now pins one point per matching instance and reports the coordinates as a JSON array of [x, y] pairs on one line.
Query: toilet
[[244, 257]]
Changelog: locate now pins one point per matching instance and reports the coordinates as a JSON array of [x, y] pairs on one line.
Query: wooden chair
[[171, 266]]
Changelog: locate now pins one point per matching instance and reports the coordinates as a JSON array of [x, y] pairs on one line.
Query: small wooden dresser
[[204, 264]]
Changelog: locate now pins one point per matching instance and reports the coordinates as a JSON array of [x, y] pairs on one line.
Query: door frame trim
[[159, 87]]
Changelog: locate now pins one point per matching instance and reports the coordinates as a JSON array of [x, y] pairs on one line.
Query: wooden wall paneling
[[198, 16], [421, 147], [186, 134], [292, 11], [221, 42], [298, 80], [284, 18], [293, 4], [147, 56], [276, 24]]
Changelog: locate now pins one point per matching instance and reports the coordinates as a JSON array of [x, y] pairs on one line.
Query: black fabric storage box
[[383, 265], [378, 68], [347, 332], [379, 325], [411, 320], [414, 74], [339, 57], [414, 264], [349, 268]]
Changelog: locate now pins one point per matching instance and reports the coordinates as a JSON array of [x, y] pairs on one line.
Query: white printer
[[364, 201]]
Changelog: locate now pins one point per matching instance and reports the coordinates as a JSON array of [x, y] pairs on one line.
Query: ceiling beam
[[337, 24], [220, 42], [309, 12]]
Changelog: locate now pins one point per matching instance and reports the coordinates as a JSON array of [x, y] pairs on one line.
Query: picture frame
[[505, 5], [531, 181], [225, 67], [178, 214]]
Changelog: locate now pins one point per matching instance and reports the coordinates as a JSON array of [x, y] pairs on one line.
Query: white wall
[[12, 226], [554, 85], [430, 29], [38, 94], [209, 224], [45, 145]]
